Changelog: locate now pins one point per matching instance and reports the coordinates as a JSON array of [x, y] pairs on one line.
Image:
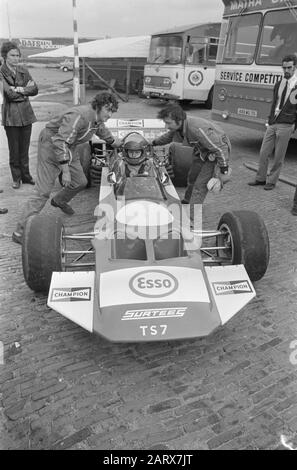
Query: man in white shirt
[[281, 124]]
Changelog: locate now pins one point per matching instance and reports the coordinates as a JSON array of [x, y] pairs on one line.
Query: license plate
[[247, 112]]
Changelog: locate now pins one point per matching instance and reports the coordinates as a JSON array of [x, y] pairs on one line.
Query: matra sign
[[153, 283]]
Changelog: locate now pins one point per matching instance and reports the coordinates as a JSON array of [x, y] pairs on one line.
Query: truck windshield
[[241, 39], [279, 37], [166, 49]]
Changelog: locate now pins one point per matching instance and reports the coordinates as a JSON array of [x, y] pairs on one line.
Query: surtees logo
[[148, 313], [71, 294], [153, 283], [231, 287]]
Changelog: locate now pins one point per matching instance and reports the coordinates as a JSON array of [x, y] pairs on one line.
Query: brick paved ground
[[63, 388]]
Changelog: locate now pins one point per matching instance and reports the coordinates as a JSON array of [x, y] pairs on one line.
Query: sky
[[101, 18]]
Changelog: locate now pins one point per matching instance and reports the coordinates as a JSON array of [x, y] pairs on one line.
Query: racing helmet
[[135, 149]]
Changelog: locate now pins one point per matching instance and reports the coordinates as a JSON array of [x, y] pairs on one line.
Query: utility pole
[[8, 21], [76, 94]]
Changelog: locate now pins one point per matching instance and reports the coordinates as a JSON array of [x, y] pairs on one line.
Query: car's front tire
[[41, 250], [246, 240]]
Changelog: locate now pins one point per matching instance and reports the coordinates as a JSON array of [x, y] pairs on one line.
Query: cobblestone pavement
[[63, 388]]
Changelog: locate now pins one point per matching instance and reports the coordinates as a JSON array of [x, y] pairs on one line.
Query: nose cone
[[144, 214]]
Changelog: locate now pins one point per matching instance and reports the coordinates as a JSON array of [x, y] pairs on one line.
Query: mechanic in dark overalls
[[211, 150], [56, 153]]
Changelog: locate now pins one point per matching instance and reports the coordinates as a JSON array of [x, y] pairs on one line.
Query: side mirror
[[164, 178], [111, 177]]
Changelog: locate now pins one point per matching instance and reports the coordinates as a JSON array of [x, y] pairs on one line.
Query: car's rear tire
[[41, 250], [180, 159], [246, 237]]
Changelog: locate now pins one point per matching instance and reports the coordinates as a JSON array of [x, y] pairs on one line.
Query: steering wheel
[[130, 133]]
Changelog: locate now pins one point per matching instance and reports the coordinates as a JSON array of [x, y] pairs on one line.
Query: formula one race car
[[152, 275]]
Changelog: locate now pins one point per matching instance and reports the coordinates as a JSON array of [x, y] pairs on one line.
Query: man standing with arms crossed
[[281, 124]]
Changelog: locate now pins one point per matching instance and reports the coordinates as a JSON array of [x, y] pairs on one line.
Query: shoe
[[184, 201], [16, 184], [269, 186], [294, 211], [30, 181], [17, 237], [257, 183], [63, 206], [3, 211]]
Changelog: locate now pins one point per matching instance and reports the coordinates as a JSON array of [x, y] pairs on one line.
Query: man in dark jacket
[[281, 124], [17, 112], [56, 154], [211, 151]]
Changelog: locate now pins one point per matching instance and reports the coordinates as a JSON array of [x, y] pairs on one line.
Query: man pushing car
[[56, 154]]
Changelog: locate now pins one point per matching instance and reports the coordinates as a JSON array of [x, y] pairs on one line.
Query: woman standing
[[17, 112]]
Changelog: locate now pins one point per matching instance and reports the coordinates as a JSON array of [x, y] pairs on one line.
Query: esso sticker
[[153, 283]]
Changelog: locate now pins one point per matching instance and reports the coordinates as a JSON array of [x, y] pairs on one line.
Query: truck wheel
[[184, 102], [180, 160], [246, 240], [42, 250], [208, 102]]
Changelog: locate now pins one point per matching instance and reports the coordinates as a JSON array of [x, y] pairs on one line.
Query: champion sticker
[[71, 294], [195, 77], [130, 123], [231, 287], [154, 313]]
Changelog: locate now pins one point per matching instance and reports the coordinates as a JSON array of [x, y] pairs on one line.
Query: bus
[[181, 63], [255, 36]]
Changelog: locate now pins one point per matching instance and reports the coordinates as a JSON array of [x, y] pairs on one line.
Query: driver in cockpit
[[134, 160]]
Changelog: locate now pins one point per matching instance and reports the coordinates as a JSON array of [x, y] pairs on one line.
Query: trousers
[[18, 144], [275, 143], [198, 177], [47, 171]]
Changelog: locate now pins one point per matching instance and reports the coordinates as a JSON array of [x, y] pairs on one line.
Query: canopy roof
[[134, 46]]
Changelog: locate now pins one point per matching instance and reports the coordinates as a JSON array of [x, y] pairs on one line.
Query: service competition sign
[[252, 76]]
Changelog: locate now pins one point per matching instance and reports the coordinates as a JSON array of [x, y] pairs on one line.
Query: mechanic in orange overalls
[[56, 153]]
